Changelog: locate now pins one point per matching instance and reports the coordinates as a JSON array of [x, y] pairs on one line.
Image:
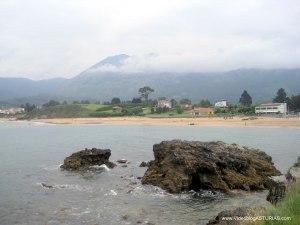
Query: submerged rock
[[86, 158], [191, 165], [122, 161], [46, 185]]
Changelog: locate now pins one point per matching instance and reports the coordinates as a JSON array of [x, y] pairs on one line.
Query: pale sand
[[214, 121]]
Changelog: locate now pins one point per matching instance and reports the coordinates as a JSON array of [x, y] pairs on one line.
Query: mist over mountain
[[122, 76]]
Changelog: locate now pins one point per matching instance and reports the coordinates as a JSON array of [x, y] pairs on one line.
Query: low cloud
[[50, 38]]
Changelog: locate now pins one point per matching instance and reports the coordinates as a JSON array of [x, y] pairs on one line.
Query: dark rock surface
[[278, 186], [145, 164], [293, 174], [234, 217], [89, 157], [122, 161], [191, 165], [277, 189]]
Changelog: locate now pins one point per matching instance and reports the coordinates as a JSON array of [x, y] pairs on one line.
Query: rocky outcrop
[[293, 174], [84, 159], [191, 165], [277, 189], [236, 216], [278, 186]]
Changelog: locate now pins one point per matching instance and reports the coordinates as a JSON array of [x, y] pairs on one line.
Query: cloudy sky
[[50, 38]]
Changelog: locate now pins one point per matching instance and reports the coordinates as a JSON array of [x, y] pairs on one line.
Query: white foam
[[103, 166], [112, 192]]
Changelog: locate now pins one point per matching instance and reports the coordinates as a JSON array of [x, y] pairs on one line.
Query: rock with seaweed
[[191, 165], [84, 159]]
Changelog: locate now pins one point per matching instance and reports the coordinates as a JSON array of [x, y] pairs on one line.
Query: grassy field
[[170, 114], [99, 110]]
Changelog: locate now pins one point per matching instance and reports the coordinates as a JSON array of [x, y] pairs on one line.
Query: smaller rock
[[293, 175], [125, 217], [122, 161], [277, 189], [124, 165], [46, 185], [110, 164], [84, 159], [145, 164]]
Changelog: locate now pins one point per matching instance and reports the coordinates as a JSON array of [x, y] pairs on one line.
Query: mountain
[[108, 79]]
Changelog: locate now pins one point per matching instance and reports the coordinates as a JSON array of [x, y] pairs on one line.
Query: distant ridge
[[261, 84]]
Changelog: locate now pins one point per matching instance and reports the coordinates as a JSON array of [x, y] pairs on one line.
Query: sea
[[34, 190]]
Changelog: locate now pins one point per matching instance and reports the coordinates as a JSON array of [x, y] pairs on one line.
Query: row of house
[[266, 108], [195, 111], [11, 111]]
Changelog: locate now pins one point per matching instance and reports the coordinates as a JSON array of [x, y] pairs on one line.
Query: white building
[[11, 111], [164, 103], [221, 104], [271, 108]]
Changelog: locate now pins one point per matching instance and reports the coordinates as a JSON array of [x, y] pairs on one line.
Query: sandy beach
[[214, 121]]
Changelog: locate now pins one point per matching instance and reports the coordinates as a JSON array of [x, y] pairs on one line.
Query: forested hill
[[103, 86]]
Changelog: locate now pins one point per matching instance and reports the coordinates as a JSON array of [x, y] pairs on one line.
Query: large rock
[[190, 165], [86, 158]]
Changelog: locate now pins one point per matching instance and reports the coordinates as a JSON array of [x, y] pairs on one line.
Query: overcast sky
[[50, 38]]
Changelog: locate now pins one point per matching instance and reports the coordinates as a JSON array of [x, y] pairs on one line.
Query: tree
[[136, 100], [185, 101], [205, 103], [281, 96], [115, 101], [245, 99], [179, 110], [295, 103], [51, 103], [85, 102], [174, 103], [145, 92], [28, 107]]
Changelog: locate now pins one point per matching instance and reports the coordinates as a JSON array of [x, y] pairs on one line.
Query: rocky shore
[[191, 165], [278, 186]]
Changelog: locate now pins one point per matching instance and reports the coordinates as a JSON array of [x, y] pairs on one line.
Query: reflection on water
[[33, 190]]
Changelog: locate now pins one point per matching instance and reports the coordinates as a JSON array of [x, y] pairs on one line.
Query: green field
[[100, 110]]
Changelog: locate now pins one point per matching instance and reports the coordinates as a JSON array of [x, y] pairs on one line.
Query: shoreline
[[213, 121]]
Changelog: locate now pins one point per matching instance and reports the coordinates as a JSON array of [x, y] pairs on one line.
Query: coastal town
[[281, 105]]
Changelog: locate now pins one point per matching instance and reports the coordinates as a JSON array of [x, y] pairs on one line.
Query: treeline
[[141, 103]]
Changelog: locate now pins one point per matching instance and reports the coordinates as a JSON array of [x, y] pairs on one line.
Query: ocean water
[[30, 154]]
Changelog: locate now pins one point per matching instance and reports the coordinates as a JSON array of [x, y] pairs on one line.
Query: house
[[221, 104], [164, 103], [201, 111], [271, 108], [187, 106], [11, 111]]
